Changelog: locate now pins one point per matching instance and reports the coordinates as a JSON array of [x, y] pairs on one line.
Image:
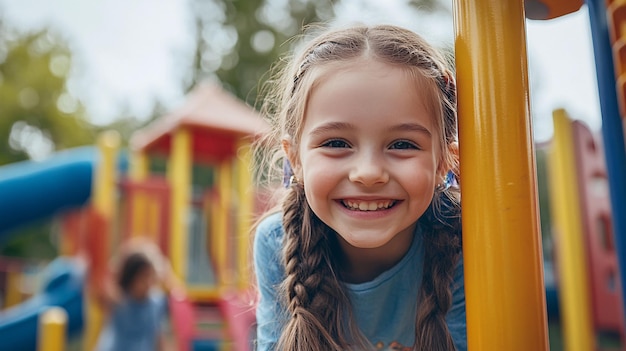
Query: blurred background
[[71, 69]]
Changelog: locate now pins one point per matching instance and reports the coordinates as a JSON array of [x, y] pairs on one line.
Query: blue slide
[[34, 190], [63, 286]]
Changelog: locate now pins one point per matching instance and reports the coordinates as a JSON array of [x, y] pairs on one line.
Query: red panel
[[597, 231], [208, 146], [183, 320], [71, 225], [239, 311], [96, 244], [211, 146]]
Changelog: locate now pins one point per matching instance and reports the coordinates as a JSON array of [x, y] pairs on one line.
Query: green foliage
[[32, 240], [240, 40], [37, 114]]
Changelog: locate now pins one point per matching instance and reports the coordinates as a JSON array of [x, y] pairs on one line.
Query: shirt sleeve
[[456, 316], [270, 313]]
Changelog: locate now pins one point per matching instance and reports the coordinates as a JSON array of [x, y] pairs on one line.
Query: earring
[[293, 180], [289, 179], [287, 173]]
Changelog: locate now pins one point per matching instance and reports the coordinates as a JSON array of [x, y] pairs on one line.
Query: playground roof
[[214, 116]]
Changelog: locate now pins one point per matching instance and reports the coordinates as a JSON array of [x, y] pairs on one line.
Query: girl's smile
[[368, 206]]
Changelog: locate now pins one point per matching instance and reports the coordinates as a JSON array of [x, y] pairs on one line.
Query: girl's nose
[[368, 170]]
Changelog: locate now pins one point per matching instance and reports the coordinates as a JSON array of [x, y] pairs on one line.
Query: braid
[[314, 297], [441, 228]]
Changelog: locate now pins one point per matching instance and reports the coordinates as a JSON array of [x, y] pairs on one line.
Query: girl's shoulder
[[270, 228], [268, 242]]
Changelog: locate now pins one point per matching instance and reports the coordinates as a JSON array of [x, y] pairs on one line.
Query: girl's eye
[[335, 143], [403, 145]]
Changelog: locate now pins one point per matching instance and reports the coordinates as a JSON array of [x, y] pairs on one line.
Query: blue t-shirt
[[384, 308], [134, 324]]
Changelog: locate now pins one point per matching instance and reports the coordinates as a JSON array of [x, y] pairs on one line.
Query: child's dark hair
[[133, 265], [319, 309]]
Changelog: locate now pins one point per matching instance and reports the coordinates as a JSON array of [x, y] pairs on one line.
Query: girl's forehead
[[372, 72]]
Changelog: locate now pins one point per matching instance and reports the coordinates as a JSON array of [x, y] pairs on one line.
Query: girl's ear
[[450, 163], [456, 166]]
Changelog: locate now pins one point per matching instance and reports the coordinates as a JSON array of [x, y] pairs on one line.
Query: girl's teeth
[[368, 206]]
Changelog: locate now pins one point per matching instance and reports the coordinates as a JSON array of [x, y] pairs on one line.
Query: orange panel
[[619, 56], [548, 9], [617, 19], [621, 94]]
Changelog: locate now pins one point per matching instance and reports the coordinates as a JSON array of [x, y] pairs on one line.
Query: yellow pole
[[574, 284], [213, 213], [221, 236], [106, 174], [179, 173], [104, 197], [245, 209], [505, 296], [13, 291], [139, 166], [52, 326]]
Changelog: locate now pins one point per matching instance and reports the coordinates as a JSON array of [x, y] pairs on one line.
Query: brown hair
[[313, 293], [132, 266]]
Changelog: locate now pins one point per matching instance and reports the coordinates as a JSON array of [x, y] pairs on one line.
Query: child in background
[[365, 252], [136, 305]]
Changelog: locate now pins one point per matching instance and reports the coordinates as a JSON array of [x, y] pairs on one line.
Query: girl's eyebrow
[[415, 127], [330, 127], [335, 126]]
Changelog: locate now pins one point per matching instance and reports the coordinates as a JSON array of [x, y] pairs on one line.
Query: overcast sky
[[130, 53]]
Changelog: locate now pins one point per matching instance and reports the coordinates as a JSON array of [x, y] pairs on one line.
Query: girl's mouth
[[362, 205]]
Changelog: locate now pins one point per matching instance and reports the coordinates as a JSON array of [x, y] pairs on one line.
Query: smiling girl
[[365, 253]]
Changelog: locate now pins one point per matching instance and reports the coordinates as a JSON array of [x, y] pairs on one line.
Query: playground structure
[[199, 213], [498, 190], [500, 232], [586, 258]]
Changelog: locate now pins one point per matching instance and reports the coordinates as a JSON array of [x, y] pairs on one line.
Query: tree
[[238, 41], [37, 114]]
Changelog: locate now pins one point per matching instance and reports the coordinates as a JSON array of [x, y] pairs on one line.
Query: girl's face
[[368, 154], [143, 282]]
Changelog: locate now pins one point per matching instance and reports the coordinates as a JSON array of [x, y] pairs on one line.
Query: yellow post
[[104, 203], [505, 296], [106, 174], [221, 236], [245, 211], [179, 174], [13, 292], [52, 327], [139, 166], [574, 298]]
